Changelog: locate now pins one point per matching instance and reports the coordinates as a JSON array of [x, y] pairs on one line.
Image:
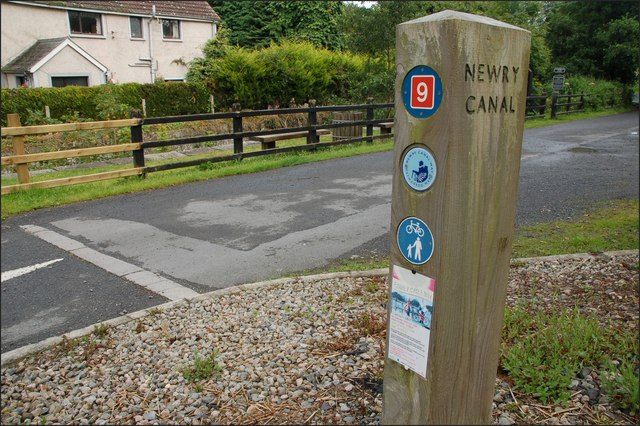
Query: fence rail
[[557, 104], [137, 147], [536, 107]]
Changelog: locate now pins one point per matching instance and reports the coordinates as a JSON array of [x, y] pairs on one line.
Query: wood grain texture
[[73, 180], [470, 209], [18, 148], [71, 153], [69, 127]]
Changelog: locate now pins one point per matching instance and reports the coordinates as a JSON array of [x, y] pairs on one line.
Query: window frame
[[78, 16], [178, 25], [139, 19], [84, 76]]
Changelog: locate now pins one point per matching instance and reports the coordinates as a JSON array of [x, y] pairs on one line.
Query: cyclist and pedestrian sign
[[415, 240]]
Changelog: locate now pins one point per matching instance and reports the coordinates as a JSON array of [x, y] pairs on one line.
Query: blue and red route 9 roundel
[[422, 91]]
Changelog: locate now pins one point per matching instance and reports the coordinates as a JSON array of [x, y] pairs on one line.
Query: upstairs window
[[170, 29], [85, 23], [136, 27]]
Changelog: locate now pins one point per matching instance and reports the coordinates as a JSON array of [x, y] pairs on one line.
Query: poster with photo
[[410, 318]]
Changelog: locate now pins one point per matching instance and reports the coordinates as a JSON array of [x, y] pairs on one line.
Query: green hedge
[[106, 102], [602, 93], [283, 75]]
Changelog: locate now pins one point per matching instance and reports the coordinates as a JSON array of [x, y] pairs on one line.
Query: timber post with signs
[[461, 83]]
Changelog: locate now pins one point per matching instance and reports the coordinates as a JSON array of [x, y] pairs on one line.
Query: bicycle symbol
[[414, 226]]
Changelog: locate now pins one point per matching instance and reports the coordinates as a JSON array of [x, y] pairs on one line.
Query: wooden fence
[[557, 104], [137, 146], [345, 120]]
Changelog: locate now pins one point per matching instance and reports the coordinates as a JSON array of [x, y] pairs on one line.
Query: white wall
[[22, 25], [68, 63]]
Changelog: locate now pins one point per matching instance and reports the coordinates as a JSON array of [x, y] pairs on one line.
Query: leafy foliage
[[74, 103], [280, 75], [256, 24], [596, 38], [543, 352]]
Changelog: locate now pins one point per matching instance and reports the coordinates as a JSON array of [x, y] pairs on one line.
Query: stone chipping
[[296, 351]]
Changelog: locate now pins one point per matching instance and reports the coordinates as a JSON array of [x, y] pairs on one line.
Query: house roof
[[200, 10], [41, 52]]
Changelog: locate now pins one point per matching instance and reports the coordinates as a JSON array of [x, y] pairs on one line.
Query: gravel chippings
[[296, 352]]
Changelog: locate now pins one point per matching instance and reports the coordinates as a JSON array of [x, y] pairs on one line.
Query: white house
[[87, 43]]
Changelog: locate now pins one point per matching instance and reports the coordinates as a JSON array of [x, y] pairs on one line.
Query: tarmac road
[[134, 251]]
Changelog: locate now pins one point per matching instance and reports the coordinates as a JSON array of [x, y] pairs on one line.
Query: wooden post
[[461, 83], [13, 120], [144, 107], [136, 137], [237, 128], [47, 111], [312, 120], [212, 103], [554, 105], [369, 118]]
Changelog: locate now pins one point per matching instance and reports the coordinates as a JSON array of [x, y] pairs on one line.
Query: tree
[[256, 24], [357, 23], [599, 39]]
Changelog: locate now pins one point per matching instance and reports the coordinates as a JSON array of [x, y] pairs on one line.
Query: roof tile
[[179, 9]]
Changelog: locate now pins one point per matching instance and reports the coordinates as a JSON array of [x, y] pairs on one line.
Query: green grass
[[542, 353], [611, 226], [202, 368], [24, 201]]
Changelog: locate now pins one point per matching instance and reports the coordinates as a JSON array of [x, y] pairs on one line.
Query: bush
[[280, 75], [602, 93], [106, 102]]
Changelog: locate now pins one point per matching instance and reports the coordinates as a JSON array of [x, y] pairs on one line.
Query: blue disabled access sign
[[419, 168], [415, 240], [422, 91]]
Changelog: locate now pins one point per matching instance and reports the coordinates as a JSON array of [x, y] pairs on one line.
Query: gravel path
[[296, 351]]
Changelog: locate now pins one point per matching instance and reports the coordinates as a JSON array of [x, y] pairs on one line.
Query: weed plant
[[202, 368], [543, 353]]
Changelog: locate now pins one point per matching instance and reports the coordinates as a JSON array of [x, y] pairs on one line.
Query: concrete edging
[[33, 348]]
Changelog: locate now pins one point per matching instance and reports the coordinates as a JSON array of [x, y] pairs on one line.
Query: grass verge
[[610, 226], [24, 201]]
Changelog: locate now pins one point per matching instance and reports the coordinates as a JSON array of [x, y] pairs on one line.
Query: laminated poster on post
[[410, 319]]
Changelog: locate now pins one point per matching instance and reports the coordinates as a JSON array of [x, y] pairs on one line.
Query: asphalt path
[[92, 261]]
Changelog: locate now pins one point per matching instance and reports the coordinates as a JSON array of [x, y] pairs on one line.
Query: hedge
[[107, 102]]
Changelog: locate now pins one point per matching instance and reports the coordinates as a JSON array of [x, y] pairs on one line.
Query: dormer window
[[85, 23]]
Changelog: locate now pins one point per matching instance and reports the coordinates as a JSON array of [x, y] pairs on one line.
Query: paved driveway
[[142, 249]]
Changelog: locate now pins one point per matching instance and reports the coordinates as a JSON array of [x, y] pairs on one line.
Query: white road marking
[[7, 275], [162, 286]]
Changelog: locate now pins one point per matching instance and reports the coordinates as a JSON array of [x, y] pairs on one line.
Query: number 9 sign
[[422, 91]]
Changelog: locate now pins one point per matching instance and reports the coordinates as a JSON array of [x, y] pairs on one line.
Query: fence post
[[568, 104], [212, 103], [144, 107], [47, 111], [454, 190], [312, 121], [369, 118], [13, 120], [582, 101], [136, 137], [554, 105], [237, 128]]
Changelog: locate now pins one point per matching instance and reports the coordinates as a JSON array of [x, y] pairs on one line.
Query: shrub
[[278, 76], [105, 102]]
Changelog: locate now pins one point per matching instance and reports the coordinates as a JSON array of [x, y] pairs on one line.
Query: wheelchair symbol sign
[[415, 240]]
